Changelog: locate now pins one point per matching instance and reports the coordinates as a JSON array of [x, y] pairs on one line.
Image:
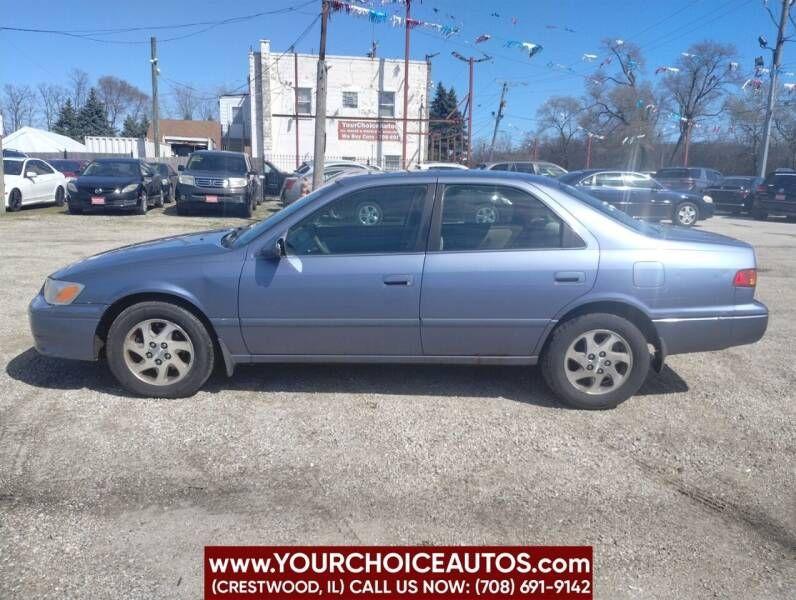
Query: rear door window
[[672, 174]]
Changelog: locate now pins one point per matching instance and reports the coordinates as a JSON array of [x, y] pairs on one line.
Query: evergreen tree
[[135, 128], [92, 118], [66, 124], [446, 139]]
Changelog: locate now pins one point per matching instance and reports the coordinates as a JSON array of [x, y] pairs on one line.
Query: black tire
[[553, 363], [203, 351], [14, 201], [246, 210], [160, 201], [74, 210], [683, 209], [183, 210], [759, 215], [143, 203], [59, 196]]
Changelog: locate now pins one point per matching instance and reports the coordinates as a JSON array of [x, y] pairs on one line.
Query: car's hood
[[699, 236], [193, 246], [97, 181]]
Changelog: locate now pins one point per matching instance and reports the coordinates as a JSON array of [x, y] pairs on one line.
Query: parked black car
[[734, 193], [776, 196], [642, 196], [687, 179], [218, 178], [168, 178], [124, 183]]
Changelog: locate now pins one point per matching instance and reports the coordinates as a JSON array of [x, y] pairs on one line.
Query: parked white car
[[32, 181], [438, 166]]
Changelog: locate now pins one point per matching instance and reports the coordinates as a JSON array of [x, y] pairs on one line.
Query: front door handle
[[405, 280], [570, 277]]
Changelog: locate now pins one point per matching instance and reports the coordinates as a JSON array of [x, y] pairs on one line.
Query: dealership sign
[[369, 131]]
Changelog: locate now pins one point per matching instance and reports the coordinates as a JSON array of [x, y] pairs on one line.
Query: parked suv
[[776, 196], [534, 167], [688, 179], [218, 178]]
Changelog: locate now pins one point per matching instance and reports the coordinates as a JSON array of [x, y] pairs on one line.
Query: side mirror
[[30, 174], [180, 167], [274, 251]]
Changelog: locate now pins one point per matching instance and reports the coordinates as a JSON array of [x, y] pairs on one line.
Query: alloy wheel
[[369, 214], [598, 361], [686, 214], [486, 214], [158, 352]]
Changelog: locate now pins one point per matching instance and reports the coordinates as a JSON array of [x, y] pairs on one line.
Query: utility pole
[[2, 172], [772, 90], [588, 151], [155, 102], [320, 104], [470, 60], [295, 102], [687, 142], [498, 118], [406, 82]]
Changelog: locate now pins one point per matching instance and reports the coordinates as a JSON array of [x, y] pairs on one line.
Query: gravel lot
[[685, 491]]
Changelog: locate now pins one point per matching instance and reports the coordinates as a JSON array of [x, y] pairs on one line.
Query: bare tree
[[186, 101], [79, 86], [696, 89], [746, 118], [51, 97], [560, 114], [18, 106], [120, 97]]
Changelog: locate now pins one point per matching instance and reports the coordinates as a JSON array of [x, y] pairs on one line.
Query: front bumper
[[189, 194], [65, 331], [706, 210], [83, 201], [746, 325]]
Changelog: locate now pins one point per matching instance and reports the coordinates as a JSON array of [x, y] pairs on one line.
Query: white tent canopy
[[30, 139]]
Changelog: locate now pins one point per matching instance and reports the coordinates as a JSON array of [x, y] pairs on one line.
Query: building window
[[386, 104], [392, 162], [350, 100], [304, 101]]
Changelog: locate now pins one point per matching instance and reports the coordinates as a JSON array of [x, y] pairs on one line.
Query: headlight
[[186, 179], [61, 292], [236, 182], [130, 188], [71, 187], [707, 199]]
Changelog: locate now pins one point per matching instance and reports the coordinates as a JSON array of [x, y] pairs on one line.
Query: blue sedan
[[469, 267]]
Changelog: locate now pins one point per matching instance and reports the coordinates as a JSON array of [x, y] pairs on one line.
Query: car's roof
[[230, 152], [118, 160], [453, 174], [15, 158]]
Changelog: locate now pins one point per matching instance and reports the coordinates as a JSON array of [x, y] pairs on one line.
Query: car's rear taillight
[[289, 182], [745, 278], [761, 189]]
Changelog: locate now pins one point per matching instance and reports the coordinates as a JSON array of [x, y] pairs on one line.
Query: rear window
[[12, 167], [675, 173], [782, 180]]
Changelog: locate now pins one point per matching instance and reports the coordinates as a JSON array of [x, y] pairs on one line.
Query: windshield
[[12, 167], [113, 169], [217, 163], [609, 210], [244, 235]]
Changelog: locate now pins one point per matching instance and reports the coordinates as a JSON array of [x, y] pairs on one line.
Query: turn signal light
[[289, 182], [745, 278]]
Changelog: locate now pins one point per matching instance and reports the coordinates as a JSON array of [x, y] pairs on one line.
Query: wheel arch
[[120, 304], [620, 308]]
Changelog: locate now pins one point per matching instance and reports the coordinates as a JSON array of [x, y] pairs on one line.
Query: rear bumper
[[774, 207], [65, 331], [702, 334]]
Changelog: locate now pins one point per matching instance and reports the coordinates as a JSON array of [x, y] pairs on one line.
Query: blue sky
[[218, 56]]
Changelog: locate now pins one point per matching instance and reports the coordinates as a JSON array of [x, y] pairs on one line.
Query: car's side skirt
[[367, 358]]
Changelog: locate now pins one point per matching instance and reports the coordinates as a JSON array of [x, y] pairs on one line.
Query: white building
[[364, 108], [234, 113]]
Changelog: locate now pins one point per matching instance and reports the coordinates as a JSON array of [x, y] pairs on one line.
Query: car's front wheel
[[59, 196], [159, 350], [686, 214], [596, 361], [14, 201], [143, 203]]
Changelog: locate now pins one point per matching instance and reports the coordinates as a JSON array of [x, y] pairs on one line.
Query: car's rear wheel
[[686, 214], [246, 209], [59, 196], [159, 350], [14, 201], [596, 361], [759, 215], [160, 201]]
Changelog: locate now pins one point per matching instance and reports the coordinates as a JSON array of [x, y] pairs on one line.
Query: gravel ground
[[685, 491]]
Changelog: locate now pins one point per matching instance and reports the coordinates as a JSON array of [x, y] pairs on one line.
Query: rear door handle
[[570, 277], [405, 280]]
